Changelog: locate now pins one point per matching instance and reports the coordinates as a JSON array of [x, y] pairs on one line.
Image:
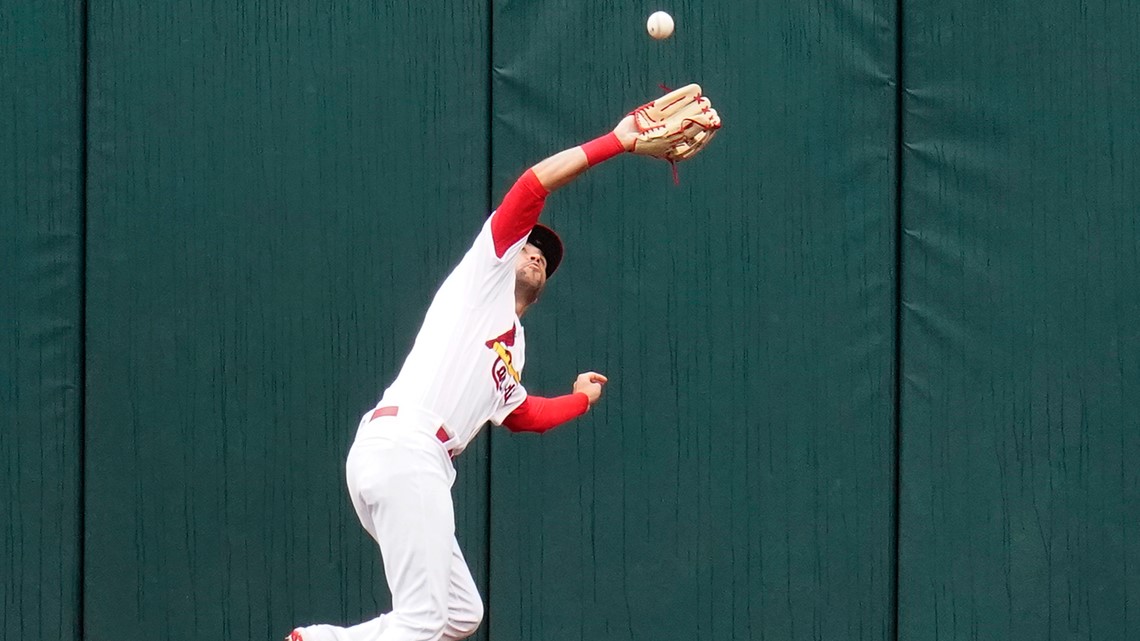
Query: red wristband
[[602, 148]]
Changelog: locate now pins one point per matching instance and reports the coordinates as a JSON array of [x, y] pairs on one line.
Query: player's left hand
[[590, 384], [627, 132], [674, 127]]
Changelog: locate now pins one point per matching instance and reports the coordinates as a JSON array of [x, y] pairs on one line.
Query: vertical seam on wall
[[490, 195], [81, 548], [898, 364]]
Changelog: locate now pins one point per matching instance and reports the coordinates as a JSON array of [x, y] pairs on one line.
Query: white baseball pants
[[400, 477]]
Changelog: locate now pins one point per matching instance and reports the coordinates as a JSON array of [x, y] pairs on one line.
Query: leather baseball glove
[[675, 126]]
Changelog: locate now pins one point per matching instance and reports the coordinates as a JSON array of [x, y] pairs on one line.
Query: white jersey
[[466, 365]]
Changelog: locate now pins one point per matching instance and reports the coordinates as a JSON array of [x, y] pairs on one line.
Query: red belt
[[392, 410]]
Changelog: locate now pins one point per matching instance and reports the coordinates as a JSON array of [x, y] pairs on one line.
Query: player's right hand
[[590, 384]]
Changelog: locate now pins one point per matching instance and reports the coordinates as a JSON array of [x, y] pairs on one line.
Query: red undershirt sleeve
[[538, 414], [518, 213]]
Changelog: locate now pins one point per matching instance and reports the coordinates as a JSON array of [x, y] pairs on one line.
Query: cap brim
[[550, 244]]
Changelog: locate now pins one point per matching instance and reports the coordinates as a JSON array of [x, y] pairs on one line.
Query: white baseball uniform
[[464, 370]]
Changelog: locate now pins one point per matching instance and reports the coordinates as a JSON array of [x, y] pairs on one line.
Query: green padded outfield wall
[[1020, 509], [260, 243], [41, 225], [262, 248], [736, 480]]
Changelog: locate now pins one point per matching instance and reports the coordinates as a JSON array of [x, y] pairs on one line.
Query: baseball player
[[465, 369]]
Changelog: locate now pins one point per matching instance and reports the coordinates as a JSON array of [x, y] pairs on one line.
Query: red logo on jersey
[[503, 372], [508, 339]]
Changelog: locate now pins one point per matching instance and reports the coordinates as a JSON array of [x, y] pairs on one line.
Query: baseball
[[660, 25]]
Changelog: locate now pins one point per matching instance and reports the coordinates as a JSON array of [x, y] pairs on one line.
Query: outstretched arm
[[674, 127], [522, 205], [564, 166]]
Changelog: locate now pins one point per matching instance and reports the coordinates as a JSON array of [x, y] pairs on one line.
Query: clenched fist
[[590, 384]]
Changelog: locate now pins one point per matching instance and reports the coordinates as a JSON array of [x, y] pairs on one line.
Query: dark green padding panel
[[41, 223], [276, 191], [1020, 509], [736, 480]]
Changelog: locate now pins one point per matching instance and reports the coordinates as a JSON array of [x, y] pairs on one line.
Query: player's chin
[[530, 278], [530, 285], [539, 283]]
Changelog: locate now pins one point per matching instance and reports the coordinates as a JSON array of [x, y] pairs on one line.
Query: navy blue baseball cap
[[549, 244]]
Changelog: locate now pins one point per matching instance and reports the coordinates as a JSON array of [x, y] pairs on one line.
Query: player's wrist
[[603, 148]]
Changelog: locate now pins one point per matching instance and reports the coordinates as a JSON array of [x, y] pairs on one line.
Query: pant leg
[[402, 494], [464, 605]]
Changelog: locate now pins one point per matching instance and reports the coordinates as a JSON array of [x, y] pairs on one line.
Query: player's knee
[[427, 625], [464, 620]]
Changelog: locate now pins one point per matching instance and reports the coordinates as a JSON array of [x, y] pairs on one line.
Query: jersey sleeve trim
[[518, 213], [538, 414]]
